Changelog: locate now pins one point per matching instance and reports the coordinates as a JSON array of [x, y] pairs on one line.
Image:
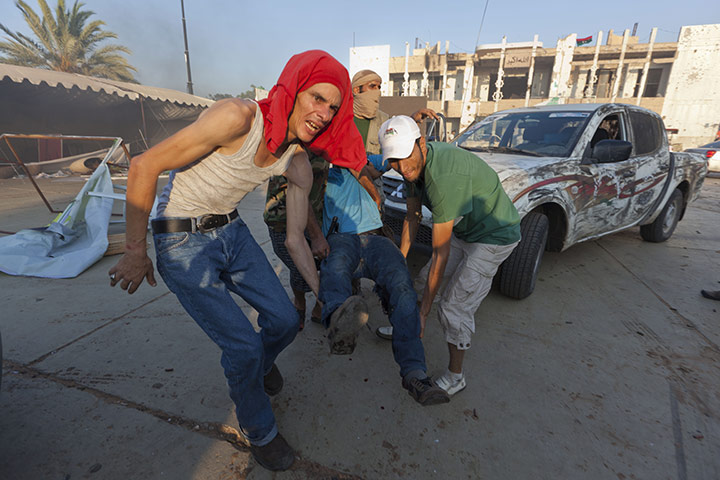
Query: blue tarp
[[74, 241]]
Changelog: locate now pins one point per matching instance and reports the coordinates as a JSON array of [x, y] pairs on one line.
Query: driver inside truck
[[609, 129]]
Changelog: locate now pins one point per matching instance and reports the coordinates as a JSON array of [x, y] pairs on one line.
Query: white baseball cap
[[397, 137]]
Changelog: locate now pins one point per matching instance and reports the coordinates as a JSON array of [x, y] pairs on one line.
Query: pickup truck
[[574, 172]]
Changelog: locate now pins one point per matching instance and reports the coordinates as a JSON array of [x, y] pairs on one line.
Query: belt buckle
[[207, 223]]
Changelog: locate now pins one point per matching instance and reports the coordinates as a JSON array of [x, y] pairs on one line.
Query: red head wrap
[[340, 142]]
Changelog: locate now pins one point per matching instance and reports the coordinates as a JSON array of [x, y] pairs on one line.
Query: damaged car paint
[[575, 173]]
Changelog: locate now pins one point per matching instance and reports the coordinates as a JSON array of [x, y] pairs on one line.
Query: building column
[[468, 109], [618, 72], [646, 67], [531, 72], [406, 75], [497, 96], [562, 67], [592, 79]]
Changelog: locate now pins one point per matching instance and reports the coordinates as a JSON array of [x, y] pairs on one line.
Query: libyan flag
[[584, 41]]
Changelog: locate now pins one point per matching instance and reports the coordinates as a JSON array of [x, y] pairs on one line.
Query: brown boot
[[276, 455], [345, 324]]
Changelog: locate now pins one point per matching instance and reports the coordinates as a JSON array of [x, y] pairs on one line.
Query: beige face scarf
[[366, 104]]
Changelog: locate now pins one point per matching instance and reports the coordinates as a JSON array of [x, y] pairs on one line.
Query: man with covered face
[[368, 119], [366, 108]]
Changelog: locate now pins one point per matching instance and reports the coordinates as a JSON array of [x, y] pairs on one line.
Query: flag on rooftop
[[584, 41]]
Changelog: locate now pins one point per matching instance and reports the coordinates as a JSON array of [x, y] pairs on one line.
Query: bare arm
[[442, 233], [410, 224], [221, 125], [424, 113], [299, 176], [373, 172]]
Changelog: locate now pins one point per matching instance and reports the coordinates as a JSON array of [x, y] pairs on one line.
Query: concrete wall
[[692, 101], [376, 58]]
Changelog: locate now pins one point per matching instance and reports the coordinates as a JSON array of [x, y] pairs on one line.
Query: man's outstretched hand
[[131, 270]]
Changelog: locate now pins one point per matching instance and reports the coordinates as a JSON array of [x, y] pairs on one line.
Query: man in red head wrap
[[204, 251]]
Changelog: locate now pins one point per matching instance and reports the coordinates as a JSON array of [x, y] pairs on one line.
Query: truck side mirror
[[611, 151]]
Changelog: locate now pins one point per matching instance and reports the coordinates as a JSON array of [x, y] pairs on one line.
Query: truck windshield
[[546, 134]]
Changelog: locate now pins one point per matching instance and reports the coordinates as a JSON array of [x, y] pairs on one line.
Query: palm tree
[[65, 42]]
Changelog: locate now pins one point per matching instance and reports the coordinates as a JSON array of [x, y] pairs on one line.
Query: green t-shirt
[[458, 185], [363, 126], [275, 214]]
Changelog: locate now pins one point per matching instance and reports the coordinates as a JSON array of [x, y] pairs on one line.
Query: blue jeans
[[377, 258], [202, 269]]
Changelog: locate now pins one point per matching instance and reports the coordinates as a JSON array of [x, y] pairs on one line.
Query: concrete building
[[676, 79]]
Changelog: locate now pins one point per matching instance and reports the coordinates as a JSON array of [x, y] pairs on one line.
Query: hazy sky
[[234, 43]]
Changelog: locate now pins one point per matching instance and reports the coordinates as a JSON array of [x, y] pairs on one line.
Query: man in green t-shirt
[[475, 228]]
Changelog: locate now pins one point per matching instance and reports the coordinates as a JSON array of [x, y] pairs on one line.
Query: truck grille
[[394, 189], [394, 219]]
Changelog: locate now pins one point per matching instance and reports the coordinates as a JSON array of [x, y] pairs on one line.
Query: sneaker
[[451, 386], [276, 455], [425, 392], [345, 324], [273, 381], [384, 332]]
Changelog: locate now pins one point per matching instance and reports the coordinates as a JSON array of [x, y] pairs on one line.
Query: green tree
[[65, 42], [250, 93], [219, 96]]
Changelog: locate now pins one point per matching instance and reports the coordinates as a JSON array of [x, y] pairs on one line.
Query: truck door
[[604, 203], [651, 160]]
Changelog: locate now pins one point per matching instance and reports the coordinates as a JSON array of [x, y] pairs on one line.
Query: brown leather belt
[[205, 223]]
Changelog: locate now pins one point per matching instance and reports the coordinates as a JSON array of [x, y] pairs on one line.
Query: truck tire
[[518, 272], [664, 225]]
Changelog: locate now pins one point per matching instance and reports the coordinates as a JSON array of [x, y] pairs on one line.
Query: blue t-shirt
[[346, 199], [377, 162]]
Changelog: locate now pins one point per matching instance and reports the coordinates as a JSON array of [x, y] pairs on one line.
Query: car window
[[611, 127], [712, 145], [485, 134], [646, 133], [532, 133]]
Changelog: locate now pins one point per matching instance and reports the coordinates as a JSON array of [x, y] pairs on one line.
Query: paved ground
[[608, 371]]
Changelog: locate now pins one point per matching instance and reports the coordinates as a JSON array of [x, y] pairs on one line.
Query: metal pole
[[187, 52]]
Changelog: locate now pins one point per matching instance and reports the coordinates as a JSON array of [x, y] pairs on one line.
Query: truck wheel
[[518, 272], [664, 225]]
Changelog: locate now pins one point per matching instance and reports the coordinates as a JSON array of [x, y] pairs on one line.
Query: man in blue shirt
[[359, 250]]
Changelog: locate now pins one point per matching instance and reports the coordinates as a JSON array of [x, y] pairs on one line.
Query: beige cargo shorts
[[467, 280]]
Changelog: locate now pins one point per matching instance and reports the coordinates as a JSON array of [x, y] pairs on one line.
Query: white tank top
[[215, 184]]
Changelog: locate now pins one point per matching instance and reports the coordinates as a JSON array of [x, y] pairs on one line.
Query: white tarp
[[75, 240]]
